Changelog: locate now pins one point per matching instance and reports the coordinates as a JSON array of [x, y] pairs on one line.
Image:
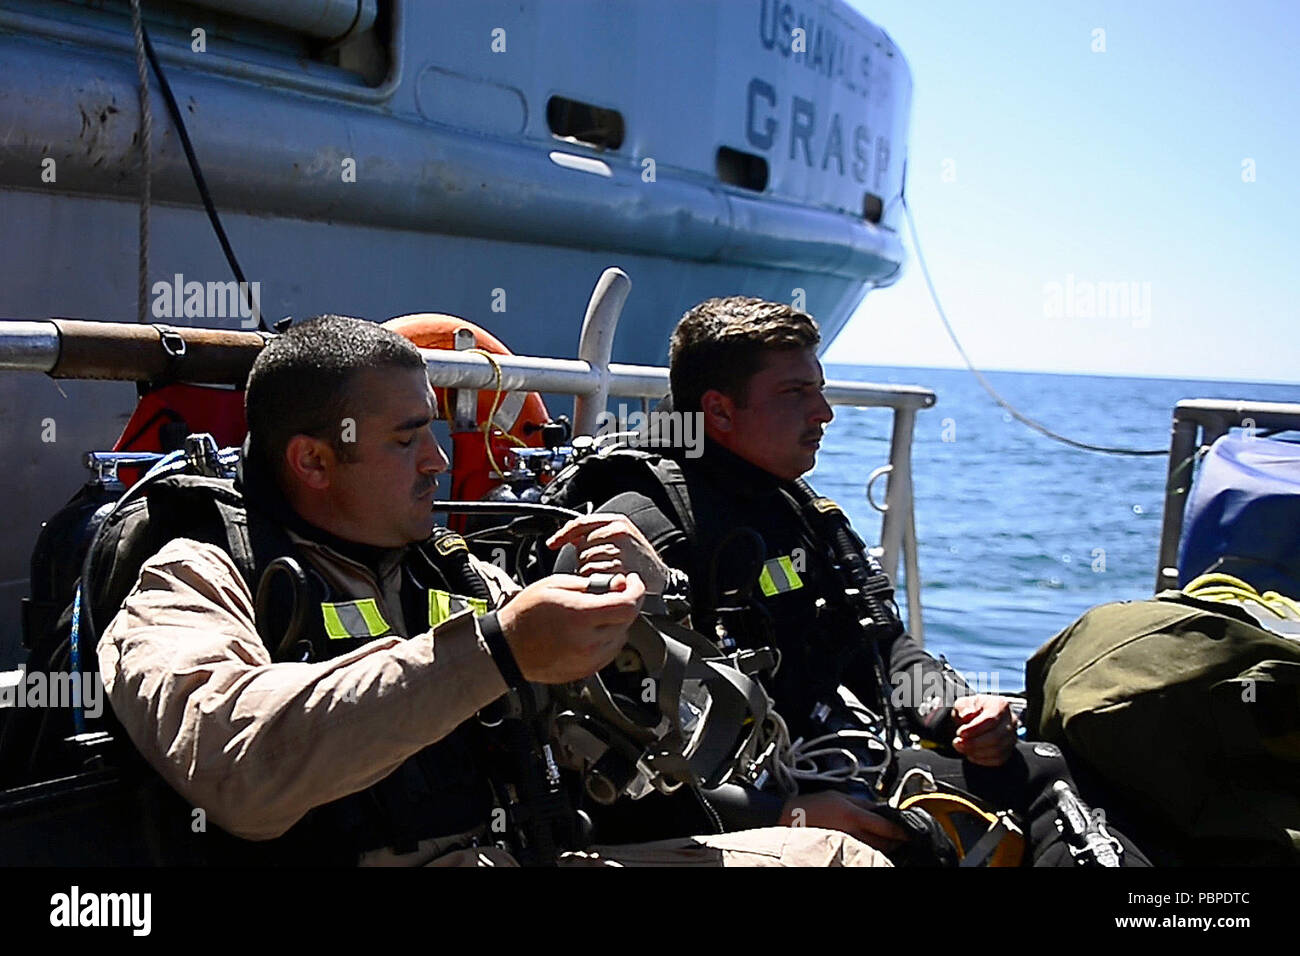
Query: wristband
[[499, 648]]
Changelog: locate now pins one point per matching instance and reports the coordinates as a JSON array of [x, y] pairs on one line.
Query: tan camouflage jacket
[[257, 744]]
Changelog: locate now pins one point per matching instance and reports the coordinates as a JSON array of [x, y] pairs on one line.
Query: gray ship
[[382, 157]]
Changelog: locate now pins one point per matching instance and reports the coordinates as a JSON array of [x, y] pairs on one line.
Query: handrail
[[576, 377], [1199, 422], [130, 352]]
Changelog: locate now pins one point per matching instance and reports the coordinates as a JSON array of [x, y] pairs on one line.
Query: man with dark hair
[[346, 733], [721, 343], [299, 387], [751, 533]]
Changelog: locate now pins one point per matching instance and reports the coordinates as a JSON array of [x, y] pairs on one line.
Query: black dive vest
[[695, 513], [757, 568], [439, 791]]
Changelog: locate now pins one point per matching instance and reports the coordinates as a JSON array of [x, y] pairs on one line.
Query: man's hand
[[987, 731], [560, 633], [832, 810], [612, 544]]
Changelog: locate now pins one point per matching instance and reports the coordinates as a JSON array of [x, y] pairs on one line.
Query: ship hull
[[444, 187], [46, 425]]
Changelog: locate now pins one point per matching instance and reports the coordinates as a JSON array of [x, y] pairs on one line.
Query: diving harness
[[671, 711], [677, 709]]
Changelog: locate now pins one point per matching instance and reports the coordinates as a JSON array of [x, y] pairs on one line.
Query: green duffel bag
[[1189, 711]]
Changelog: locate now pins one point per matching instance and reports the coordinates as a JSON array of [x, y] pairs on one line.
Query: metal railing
[[65, 349], [1197, 423]]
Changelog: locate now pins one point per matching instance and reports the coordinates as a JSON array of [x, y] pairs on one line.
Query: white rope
[[146, 160], [822, 759]]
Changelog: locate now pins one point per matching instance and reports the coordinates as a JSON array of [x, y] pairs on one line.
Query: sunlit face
[[384, 496], [779, 428]]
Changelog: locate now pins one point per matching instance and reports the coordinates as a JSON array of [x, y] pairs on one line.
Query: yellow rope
[[496, 403], [1224, 587]]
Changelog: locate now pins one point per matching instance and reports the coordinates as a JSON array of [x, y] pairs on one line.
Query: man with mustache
[[749, 368], [353, 738]]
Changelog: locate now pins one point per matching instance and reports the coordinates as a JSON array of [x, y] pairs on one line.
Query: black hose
[[298, 588], [857, 564]]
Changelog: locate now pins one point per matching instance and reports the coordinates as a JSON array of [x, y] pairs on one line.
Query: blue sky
[[1038, 166]]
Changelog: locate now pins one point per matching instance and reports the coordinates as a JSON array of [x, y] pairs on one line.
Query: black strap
[[235, 521], [983, 848], [499, 648], [673, 480]]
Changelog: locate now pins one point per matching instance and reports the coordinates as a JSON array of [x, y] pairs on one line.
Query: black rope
[[984, 382], [196, 171]]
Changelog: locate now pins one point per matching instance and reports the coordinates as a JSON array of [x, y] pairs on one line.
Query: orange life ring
[[519, 415]]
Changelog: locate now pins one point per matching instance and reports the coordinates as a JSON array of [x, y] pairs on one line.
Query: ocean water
[[1011, 525]]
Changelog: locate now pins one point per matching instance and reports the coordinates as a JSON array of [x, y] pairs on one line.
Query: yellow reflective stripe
[[779, 576], [334, 628], [439, 607], [375, 622], [443, 605], [352, 619]]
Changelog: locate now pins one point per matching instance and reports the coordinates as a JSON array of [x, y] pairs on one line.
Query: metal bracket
[[871, 481], [465, 415]]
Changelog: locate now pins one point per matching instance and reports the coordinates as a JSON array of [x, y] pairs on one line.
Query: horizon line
[[1074, 373]]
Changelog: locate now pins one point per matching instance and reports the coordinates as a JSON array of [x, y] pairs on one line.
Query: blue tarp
[[1243, 515]]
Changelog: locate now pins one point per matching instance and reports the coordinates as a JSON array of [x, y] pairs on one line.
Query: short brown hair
[[720, 344]]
